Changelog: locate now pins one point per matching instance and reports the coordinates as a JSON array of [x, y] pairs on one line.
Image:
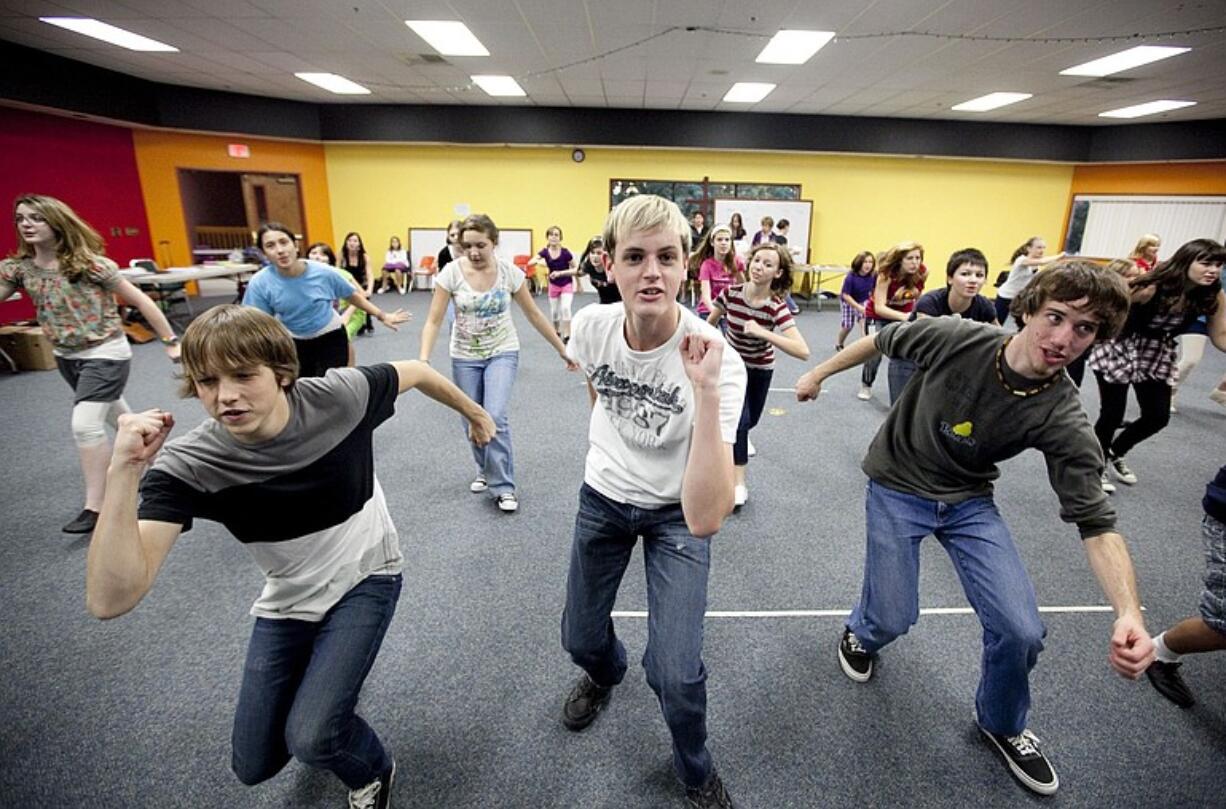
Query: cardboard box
[[28, 347]]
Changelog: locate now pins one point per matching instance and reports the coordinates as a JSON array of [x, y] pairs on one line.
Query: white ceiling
[[573, 53]]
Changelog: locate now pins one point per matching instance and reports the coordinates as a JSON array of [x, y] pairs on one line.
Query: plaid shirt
[[1148, 357]]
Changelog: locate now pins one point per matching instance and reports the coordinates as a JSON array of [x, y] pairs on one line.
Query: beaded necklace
[[1023, 392]]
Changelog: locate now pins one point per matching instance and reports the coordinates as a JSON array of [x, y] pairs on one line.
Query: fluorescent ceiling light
[[109, 33], [990, 102], [793, 47], [448, 38], [499, 85], [334, 84], [1124, 60], [748, 92], [1148, 108]]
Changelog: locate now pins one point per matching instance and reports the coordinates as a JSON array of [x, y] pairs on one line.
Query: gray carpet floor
[[136, 712]]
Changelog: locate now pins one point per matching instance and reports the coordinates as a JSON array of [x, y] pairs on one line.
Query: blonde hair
[[229, 337], [77, 246], [644, 213], [1145, 242]]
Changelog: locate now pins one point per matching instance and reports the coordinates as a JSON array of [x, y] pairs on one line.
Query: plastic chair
[[166, 295], [521, 261], [426, 269]]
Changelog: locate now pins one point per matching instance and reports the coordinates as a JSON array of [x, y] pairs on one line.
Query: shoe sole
[[1179, 703], [1017, 772], [851, 672]]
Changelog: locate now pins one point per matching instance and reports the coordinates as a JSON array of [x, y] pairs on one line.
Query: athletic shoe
[[83, 524], [1121, 470], [1108, 486], [402, 290], [1024, 759], [585, 702], [739, 495], [375, 795], [1218, 395], [750, 448], [1167, 680], [865, 393], [508, 502], [710, 795], [854, 659], [478, 485]]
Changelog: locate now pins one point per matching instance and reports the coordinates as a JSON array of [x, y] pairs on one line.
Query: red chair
[[521, 261], [426, 269]]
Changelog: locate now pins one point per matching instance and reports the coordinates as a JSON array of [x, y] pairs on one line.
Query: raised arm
[[434, 321], [132, 296], [125, 554], [1131, 648], [706, 488], [419, 375], [810, 384], [542, 325]]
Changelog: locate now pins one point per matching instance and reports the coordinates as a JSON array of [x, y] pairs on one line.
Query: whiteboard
[[428, 241], [1113, 224], [799, 212]]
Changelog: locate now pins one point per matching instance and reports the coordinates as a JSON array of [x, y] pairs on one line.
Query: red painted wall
[[90, 166]]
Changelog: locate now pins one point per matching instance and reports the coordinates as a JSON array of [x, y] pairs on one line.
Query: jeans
[[1154, 399], [677, 565], [300, 690], [757, 387], [992, 575], [868, 373], [898, 374], [488, 382]]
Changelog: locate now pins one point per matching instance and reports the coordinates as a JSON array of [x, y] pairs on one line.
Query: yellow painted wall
[[860, 203], [160, 154]]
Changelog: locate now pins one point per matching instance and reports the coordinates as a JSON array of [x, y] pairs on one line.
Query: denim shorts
[[1213, 600]]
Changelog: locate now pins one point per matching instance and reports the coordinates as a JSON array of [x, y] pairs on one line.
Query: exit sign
[[238, 150]]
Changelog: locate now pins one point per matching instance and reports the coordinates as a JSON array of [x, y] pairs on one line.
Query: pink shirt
[[713, 270]]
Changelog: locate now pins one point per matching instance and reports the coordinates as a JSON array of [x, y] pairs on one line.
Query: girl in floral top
[[59, 262], [1165, 302]]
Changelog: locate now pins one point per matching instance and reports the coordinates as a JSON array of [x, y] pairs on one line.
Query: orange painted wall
[[159, 155], [1146, 178]]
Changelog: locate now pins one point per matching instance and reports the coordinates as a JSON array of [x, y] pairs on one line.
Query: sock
[[1164, 652]]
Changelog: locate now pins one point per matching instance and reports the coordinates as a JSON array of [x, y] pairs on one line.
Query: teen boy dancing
[[666, 400], [286, 466], [979, 397]]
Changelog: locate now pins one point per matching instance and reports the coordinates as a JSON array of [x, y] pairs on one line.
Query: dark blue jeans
[[300, 689], [757, 386], [993, 577], [677, 564]]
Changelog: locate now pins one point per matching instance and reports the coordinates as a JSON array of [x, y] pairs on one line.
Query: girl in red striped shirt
[[758, 323]]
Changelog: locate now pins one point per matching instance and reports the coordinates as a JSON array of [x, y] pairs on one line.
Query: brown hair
[[1170, 278], [1105, 291], [783, 283], [890, 264], [77, 246], [480, 223], [229, 337]]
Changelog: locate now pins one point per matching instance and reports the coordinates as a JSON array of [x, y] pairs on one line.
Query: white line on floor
[[844, 613]]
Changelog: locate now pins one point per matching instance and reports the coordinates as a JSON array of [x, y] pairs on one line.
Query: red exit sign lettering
[[238, 150]]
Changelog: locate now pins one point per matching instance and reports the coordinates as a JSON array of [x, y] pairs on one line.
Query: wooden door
[[274, 198]]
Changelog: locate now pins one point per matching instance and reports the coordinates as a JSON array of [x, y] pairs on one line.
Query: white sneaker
[[752, 449], [508, 502], [1108, 486], [740, 495], [1218, 395], [865, 393], [478, 485]]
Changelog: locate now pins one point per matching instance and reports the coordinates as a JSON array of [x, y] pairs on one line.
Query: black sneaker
[[710, 795], [375, 795], [83, 524], [855, 661], [586, 700], [1165, 677], [1027, 763]]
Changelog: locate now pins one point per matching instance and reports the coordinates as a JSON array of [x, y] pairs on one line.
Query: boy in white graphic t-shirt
[[666, 399]]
